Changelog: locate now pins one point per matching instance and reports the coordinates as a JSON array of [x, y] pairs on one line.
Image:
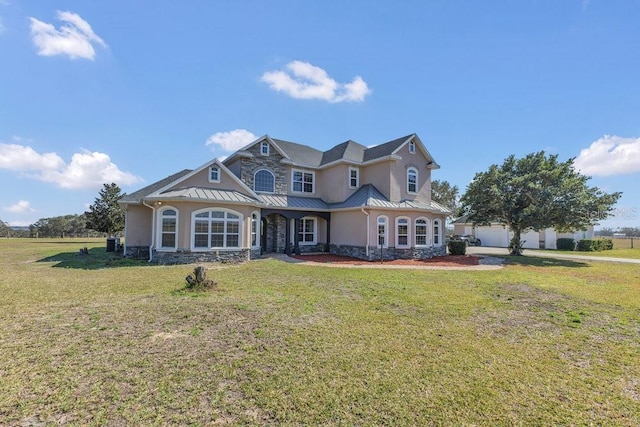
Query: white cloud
[[20, 207], [610, 155], [232, 140], [305, 81], [86, 169], [75, 38]]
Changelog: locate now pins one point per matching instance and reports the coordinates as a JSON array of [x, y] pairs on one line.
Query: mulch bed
[[442, 261]]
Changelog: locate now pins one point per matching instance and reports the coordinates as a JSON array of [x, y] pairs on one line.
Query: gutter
[[153, 229], [368, 231]]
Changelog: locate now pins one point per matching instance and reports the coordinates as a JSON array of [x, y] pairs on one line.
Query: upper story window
[[412, 180], [264, 181], [402, 232], [168, 228], [412, 147], [382, 231], [264, 148], [214, 174], [303, 182], [354, 177], [215, 228]]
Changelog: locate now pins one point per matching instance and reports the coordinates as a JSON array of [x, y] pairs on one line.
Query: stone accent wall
[[390, 253], [188, 257], [276, 233], [308, 249], [270, 162], [137, 252]]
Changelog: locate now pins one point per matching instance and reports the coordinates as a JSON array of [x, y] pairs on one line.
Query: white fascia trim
[[422, 148]]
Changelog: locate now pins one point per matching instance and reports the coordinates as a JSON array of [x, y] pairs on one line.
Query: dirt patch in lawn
[[441, 261]]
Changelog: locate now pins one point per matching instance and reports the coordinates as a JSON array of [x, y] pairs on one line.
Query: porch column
[[287, 236], [328, 244], [296, 246]]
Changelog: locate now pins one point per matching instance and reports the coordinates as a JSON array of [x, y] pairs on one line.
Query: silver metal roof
[[206, 194], [293, 202]]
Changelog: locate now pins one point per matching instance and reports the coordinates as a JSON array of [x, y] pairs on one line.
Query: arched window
[[402, 232], [412, 180], [215, 229], [264, 181], [437, 238], [421, 232], [168, 228], [382, 232]]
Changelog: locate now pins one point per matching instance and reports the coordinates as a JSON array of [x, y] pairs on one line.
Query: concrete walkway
[[482, 250]]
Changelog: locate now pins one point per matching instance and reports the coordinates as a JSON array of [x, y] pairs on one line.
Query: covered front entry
[[295, 231]]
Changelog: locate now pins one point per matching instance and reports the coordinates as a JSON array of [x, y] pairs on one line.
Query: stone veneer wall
[[188, 257], [390, 253], [270, 162], [137, 252], [276, 237]]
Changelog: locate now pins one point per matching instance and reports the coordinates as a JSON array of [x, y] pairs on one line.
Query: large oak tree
[[534, 193]]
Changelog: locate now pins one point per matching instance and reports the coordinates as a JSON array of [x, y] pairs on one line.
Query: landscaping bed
[[442, 261]]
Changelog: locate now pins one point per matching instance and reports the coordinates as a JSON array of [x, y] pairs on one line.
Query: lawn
[[95, 340]]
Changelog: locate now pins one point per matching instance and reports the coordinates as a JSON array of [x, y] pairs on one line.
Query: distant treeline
[[59, 227], [627, 231]]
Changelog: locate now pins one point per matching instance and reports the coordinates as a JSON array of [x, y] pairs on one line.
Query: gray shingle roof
[[137, 196], [349, 150], [300, 154], [385, 149]]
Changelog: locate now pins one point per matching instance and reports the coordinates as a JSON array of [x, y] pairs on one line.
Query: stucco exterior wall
[[379, 175], [138, 230], [201, 179], [334, 183], [398, 175], [349, 228]]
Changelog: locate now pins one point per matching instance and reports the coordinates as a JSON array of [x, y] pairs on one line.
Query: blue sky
[[133, 91]]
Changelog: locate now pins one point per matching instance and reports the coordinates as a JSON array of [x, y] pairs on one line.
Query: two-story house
[[279, 196]]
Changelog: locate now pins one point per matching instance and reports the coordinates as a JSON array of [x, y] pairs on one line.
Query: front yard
[[93, 340]]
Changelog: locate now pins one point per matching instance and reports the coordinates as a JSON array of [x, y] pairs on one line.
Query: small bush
[[565, 244], [594, 245], [457, 247]]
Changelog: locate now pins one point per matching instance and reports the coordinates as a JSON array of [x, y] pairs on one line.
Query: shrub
[[594, 245], [457, 247], [566, 244]]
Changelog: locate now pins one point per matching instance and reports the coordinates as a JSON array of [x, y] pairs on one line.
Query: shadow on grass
[[535, 261], [93, 259]]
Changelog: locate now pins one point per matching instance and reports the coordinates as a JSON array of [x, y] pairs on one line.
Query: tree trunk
[[516, 245]]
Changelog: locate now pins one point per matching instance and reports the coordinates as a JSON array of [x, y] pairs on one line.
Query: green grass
[[94, 340]]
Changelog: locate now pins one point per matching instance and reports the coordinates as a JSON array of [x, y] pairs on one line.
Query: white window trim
[[357, 170], [262, 145], [211, 249], [386, 231], [274, 181], [257, 214], [313, 182], [428, 235], [219, 172], [412, 147], [408, 245], [417, 177], [159, 233], [315, 231], [438, 223]]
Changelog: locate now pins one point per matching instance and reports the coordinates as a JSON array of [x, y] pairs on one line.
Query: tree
[[105, 214], [5, 230], [445, 194], [534, 193]]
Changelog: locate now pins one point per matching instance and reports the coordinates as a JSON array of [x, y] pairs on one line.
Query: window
[[421, 232], [168, 228], [436, 232], [264, 181], [382, 231], [402, 232], [214, 174], [216, 229], [412, 180], [254, 229], [302, 181], [307, 231], [354, 177], [264, 148], [412, 147]]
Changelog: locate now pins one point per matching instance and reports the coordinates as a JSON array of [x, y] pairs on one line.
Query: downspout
[[153, 229], [368, 231]]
